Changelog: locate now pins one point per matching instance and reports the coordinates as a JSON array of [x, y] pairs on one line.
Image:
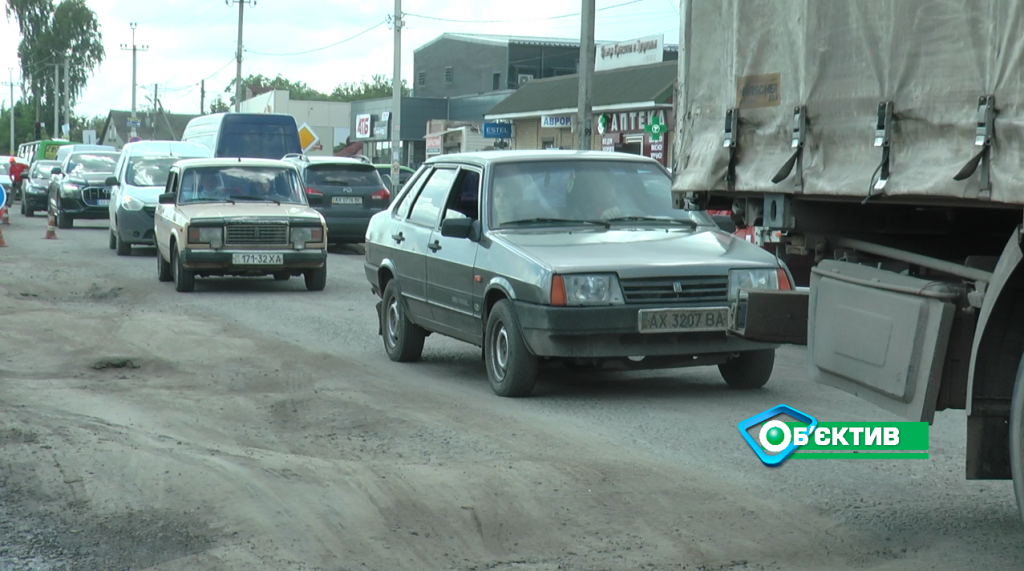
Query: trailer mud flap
[[880, 336], [773, 316]]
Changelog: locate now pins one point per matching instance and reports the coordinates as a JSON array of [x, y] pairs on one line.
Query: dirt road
[[255, 426]]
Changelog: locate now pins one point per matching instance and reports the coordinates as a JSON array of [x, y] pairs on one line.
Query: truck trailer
[[883, 141]]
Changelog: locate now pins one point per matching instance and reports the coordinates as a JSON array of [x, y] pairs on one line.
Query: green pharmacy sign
[[655, 128]]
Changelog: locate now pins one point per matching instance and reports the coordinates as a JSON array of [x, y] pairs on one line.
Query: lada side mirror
[[167, 198]]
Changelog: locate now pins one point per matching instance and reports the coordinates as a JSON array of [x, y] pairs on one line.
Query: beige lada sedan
[[238, 217]]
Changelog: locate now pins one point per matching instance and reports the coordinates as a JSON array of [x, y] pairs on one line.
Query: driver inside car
[[209, 187]]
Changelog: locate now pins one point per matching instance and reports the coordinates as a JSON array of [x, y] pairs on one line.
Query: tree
[[218, 105], [49, 34], [378, 87]]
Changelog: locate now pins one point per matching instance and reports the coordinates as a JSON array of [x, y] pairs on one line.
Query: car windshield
[[240, 183], [343, 175], [92, 163], [581, 191], [42, 169], [149, 171]]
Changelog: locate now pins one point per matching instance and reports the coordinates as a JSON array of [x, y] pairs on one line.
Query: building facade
[[632, 112]]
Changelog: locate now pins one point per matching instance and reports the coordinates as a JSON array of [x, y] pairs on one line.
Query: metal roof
[[647, 85]]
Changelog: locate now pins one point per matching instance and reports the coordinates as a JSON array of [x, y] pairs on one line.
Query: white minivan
[[139, 178], [245, 135]]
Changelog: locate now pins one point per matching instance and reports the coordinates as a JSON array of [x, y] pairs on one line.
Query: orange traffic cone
[[51, 230], [5, 219]]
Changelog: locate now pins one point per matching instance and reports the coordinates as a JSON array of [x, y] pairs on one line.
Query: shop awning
[[619, 89]]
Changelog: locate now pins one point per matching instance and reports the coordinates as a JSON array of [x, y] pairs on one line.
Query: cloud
[[190, 40]]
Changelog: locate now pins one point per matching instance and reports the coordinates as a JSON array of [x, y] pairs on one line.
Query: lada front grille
[[256, 234], [688, 290]]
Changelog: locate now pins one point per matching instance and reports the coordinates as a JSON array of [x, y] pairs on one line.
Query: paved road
[[263, 427]]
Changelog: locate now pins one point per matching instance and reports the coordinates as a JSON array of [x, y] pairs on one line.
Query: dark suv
[[80, 189], [352, 192]]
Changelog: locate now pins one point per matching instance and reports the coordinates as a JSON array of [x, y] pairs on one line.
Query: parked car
[[570, 256], [80, 189], [36, 186], [140, 176], [238, 217], [246, 135], [404, 174], [351, 192]]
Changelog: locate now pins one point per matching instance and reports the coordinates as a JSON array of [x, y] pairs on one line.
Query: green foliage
[[379, 86], [218, 105], [51, 32]]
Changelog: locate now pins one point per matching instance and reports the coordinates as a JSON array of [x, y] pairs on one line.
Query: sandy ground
[[261, 427]]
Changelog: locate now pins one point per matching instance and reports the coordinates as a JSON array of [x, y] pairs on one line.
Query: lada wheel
[[1017, 441], [403, 339], [511, 368], [184, 280], [316, 280], [751, 370], [163, 269]]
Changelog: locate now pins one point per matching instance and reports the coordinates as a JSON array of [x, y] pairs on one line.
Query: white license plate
[[103, 202], [257, 259], [676, 320], [347, 200]]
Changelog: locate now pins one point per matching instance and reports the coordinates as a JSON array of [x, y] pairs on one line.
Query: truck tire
[[1017, 440], [403, 339], [184, 280], [751, 370], [511, 368]]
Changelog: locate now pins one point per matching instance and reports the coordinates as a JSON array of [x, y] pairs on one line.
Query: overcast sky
[[190, 40]]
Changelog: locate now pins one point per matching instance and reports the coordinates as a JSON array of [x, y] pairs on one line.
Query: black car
[[351, 192], [80, 191], [36, 185]]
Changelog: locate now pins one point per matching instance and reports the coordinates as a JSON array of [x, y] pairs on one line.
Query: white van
[[245, 135]]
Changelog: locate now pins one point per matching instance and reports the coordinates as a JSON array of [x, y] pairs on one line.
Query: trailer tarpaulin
[[841, 59]]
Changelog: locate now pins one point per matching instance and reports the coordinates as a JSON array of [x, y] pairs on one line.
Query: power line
[[574, 14], [366, 31]]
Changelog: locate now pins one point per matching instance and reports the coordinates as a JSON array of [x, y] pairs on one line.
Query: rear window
[[343, 175], [258, 140]]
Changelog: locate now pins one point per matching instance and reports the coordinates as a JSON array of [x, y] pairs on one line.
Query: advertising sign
[[642, 51], [497, 130], [364, 127], [380, 128], [556, 121], [434, 145]]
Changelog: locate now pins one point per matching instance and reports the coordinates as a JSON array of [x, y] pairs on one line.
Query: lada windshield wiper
[[556, 221], [653, 219], [260, 198]]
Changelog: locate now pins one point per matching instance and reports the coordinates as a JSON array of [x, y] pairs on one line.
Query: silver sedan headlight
[[756, 278], [587, 289]]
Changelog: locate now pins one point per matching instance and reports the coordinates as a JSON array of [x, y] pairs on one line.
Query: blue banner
[[497, 130]]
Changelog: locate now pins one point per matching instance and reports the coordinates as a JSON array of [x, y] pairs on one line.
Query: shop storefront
[[632, 112]]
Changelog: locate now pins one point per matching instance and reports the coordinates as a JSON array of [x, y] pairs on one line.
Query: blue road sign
[[497, 130]]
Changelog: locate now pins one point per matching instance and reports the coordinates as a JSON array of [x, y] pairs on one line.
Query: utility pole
[[134, 49], [238, 53], [396, 101], [10, 74], [56, 100], [682, 93], [67, 96], [202, 96], [584, 111]]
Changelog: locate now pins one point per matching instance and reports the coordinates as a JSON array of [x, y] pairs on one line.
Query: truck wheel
[[1017, 440], [751, 370], [184, 280], [403, 339], [123, 248], [511, 368], [316, 280]]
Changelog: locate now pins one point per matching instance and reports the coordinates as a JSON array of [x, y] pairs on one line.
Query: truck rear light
[[783, 279], [381, 194], [557, 290]]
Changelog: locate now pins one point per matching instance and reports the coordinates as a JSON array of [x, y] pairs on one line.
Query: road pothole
[[105, 364]]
